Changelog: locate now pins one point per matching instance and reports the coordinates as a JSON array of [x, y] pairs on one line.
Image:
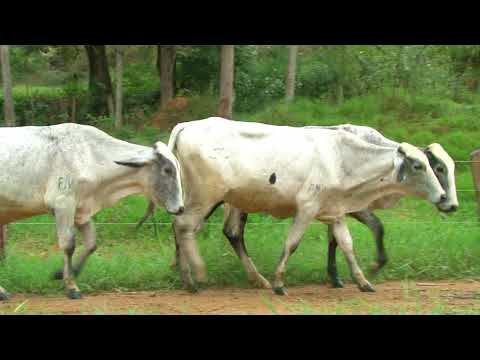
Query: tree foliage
[[333, 73]]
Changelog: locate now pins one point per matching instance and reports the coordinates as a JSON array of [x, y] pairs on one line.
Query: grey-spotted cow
[[72, 171]]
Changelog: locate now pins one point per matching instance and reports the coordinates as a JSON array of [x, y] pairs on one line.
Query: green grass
[[421, 243]]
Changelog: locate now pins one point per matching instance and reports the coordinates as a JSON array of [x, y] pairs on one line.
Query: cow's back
[[256, 167], [39, 162], [27, 156]]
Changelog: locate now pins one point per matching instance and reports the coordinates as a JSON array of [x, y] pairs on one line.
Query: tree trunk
[[100, 100], [167, 61], [119, 88], [7, 86], [339, 93], [292, 68], [227, 67]]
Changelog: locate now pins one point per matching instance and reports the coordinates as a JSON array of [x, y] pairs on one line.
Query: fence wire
[[415, 221]]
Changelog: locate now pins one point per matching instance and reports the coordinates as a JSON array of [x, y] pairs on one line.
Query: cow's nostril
[[181, 210], [453, 208]]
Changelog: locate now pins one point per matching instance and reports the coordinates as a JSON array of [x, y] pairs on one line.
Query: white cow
[[441, 163], [284, 171], [73, 171]]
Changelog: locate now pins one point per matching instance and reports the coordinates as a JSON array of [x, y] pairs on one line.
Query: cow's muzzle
[[180, 211]]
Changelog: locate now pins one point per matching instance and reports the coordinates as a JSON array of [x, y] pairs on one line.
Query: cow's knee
[[91, 248]]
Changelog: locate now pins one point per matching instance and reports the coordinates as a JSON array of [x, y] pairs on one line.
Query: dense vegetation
[[419, 94]]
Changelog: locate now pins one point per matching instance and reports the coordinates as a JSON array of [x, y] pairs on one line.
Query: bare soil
[[443, 297]]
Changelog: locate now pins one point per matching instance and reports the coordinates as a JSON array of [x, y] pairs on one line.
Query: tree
[[7, 86], [9, 119], [100, 100], [166, 62], [227, 66], [119, 86], [292, 68]]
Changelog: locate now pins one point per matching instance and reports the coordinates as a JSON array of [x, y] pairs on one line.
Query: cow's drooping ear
[[401, 175], [134, 162], [428, 152]]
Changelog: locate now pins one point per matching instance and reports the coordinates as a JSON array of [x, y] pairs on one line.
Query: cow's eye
[[439, 169], [168, 171], [418, 167]]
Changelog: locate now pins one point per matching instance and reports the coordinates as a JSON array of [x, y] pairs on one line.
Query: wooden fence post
[[475, 156]]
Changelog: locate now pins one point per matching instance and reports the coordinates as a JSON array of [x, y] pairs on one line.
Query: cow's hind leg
[[332, 260], [234, 228], [294, 236], [344, 240], [373, 222], [90, 243], [64, 216]]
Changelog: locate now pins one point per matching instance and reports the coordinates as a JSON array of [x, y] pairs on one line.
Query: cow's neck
[[128, 182], [373, 177]]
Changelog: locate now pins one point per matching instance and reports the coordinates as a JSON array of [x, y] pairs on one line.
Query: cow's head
[[163, 183], [444, 168], [416, 175]]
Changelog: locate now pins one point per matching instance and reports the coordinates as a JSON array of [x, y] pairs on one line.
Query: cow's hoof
[[74, 294], [281, 290], [337, 284], [366, 288], [4, 296]]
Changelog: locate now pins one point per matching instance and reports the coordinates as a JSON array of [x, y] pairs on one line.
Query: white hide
[[331, 173], [44, 166], [375, 137]]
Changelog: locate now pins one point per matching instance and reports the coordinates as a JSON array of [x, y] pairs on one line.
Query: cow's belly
[[263, 200], [11, 215]]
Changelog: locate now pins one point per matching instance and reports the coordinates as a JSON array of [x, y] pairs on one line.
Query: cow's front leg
[[90, 245], [234, 229], [376, 227], [332, 260], [302, 220], [64, 216], [185, 228], [344, 240]]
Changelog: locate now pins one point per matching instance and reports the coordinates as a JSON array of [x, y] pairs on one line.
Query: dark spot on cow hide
[[273, 179]]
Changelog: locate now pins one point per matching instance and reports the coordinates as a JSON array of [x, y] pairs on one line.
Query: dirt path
[[445, 297]]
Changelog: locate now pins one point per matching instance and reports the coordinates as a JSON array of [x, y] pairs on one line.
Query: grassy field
[[421, 243]]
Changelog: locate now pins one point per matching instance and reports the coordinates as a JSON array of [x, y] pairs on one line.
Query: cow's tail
[[171, 145], [172, 141], [148, 213]]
